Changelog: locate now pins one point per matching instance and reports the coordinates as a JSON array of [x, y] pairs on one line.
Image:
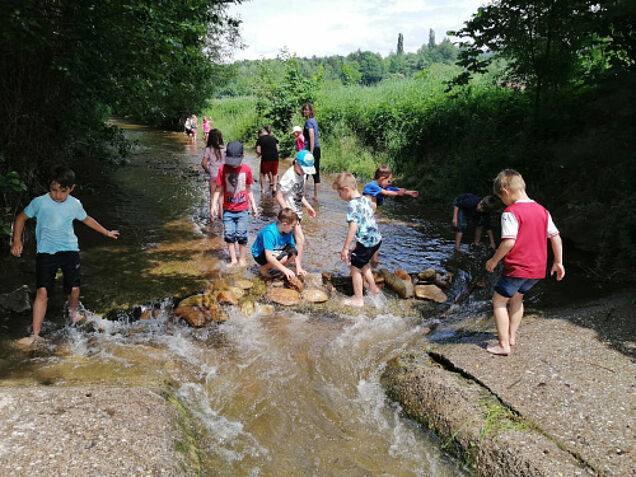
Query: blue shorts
[[235, 226], [508, 286], [464, 220]]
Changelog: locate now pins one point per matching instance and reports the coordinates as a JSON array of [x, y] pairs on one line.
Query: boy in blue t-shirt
[[274, 245], [363, 228], [57, 245], [380, 187]]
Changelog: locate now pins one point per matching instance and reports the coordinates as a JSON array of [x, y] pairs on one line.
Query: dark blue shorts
[[361, 255], [508, 286], [287, 251], [47, 265]]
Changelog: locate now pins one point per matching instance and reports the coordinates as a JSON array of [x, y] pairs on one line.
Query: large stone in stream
[[315, 295], [427, 275], [284, 296], [430, 292], [244, 284], [17, 301], [194, 316], [404, 288]]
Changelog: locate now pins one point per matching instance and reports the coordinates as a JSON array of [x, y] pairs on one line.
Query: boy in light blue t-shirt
[[57, 245], [274, 245]]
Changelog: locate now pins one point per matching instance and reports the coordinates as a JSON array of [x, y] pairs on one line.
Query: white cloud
[[339, 27]]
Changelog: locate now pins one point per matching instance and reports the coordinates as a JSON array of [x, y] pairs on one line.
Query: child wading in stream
[[57, 245], [525, 228], [234, 181], [364, 230]]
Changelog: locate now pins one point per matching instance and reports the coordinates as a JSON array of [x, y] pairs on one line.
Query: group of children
[[525, 228], [190, 127]]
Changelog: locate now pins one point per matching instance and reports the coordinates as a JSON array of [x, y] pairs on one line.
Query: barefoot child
[[525, 228], [291, 193], [472, 208], [234, 181], [267, 148], [274, 245], [363, 228], [213, 158], [57, 245]]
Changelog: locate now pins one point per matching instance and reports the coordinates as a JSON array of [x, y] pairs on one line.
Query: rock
[[237, 292], [265, 309], [402, 275], [244, 284], [284, 296], [403, 288], [313, 280], [17, 301], [278, 284], [194, 316], [443, 280], [377, 277], [427, 275], [315, 295], [247, 308], [227, 297], [430, 292], [296, 284], [194, 300]]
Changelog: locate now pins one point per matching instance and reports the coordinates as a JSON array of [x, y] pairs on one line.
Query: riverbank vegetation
[[549, 94], [67, 66]]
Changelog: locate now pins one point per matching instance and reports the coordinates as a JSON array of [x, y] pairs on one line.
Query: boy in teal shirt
[[57, 245], [274, 245]]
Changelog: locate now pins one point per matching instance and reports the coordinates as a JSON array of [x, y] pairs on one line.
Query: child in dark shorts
[[363, 228], [525, 229], [470, 208], [274, 246], [57, 245]]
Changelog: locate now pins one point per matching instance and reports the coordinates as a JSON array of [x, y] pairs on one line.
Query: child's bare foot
[[513, 341], [27, 341], [242, 263], [77, 317], [232, 263], [498, 350], [352, 302]]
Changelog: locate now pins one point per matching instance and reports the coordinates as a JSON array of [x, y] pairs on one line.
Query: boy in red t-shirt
[[525, 228], [234, 181]]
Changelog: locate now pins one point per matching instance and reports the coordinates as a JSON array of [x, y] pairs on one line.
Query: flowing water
[[285, 394]]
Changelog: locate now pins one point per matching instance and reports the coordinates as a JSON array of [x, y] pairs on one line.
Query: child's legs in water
[[241, 235], [356, 278], [230, 224]]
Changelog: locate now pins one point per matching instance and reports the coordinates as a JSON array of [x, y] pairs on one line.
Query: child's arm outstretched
[[557, 250], [351, 233], [504, 247], [391, 191], [93, 224], [18, 227]]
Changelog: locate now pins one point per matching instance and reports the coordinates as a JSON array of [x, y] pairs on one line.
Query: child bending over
[[274, 245]]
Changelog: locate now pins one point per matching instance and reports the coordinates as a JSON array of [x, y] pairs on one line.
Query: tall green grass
[[235, 117]]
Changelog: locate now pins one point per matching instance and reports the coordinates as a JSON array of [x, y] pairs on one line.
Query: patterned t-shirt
[[235, 181], [360, 211], [292, 186]]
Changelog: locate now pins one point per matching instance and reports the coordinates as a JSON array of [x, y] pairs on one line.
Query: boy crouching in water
[[274, 245], [525, 228], [57, 245], [362, 227]]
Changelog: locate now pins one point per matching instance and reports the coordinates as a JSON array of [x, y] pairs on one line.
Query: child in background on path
[[525, 228], [300, 139], [193, 127], [472, 208], [187, 126], [206, 124], [267, 148], [362, 227], [380, 188], [274, 245], [57, 245], [291, 193], [234, 182], [212, 160]]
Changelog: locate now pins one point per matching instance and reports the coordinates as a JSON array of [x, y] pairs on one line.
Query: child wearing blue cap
[[291, 193]]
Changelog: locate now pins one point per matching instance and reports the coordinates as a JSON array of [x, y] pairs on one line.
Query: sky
[[340, 27]]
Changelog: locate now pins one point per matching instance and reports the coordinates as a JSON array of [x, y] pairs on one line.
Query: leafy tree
[[431, 38], [400, 44], [371, 66]]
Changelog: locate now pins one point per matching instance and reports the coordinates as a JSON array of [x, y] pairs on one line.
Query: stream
[[285, 394]]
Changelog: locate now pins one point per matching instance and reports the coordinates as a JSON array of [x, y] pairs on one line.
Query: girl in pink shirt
[[212, 160]]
